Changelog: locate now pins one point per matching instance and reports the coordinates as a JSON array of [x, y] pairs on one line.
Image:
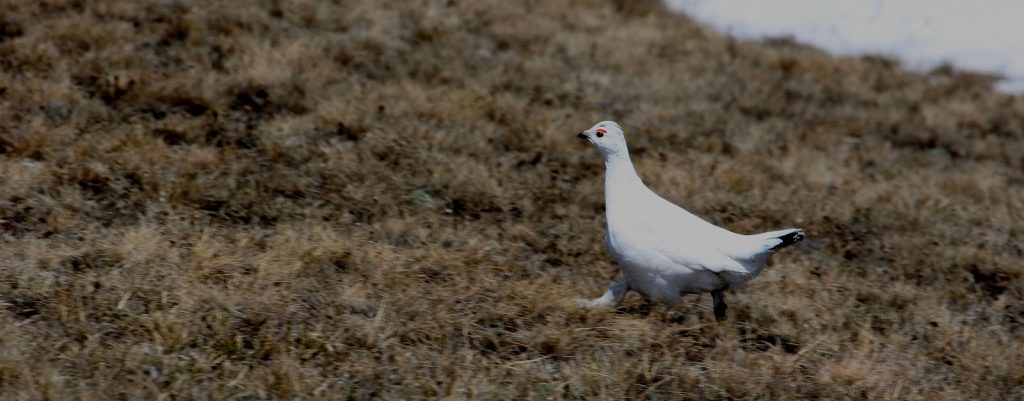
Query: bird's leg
[[613, 296], [718, 296]]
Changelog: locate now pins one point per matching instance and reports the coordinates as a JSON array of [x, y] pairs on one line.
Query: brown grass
[[361, 199]]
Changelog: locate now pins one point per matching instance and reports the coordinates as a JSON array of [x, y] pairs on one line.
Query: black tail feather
[[789, 239]]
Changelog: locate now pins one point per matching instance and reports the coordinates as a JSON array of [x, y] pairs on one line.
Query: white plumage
[[663, 250]]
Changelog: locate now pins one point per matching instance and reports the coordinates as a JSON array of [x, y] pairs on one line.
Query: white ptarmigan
[[663, 250]]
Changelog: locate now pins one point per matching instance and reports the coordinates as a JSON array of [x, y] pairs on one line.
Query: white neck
[[620, 174]]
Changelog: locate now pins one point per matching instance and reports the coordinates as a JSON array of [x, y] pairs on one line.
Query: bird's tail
[[775, 240]]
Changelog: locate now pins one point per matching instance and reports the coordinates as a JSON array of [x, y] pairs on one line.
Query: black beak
[[582, 134]]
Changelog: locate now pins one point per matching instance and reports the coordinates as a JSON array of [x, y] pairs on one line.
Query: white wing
[[690, 241]]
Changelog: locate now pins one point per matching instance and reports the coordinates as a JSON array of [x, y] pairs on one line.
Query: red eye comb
[[601, 130]]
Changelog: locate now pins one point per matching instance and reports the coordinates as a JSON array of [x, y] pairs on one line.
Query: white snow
[[984, 36]]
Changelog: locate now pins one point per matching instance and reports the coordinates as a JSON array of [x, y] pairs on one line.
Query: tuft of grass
[[226, 200]]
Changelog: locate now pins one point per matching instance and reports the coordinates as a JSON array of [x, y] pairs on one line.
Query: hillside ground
[[386, 200]]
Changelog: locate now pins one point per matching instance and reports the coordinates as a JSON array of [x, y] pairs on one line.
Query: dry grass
[[359, 199]]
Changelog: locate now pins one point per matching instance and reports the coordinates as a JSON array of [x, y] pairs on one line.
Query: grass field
[[386, 200]]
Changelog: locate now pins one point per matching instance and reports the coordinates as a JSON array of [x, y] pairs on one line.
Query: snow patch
[[984, 36]]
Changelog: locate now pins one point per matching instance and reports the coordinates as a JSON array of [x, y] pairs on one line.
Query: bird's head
[[607, 137]]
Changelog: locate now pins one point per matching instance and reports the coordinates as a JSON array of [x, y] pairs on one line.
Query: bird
[[663, 250]]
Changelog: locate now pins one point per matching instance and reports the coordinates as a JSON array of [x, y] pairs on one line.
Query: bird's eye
[[599, 134]]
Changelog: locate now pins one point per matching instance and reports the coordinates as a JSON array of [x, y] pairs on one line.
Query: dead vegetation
[[362, 199]]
